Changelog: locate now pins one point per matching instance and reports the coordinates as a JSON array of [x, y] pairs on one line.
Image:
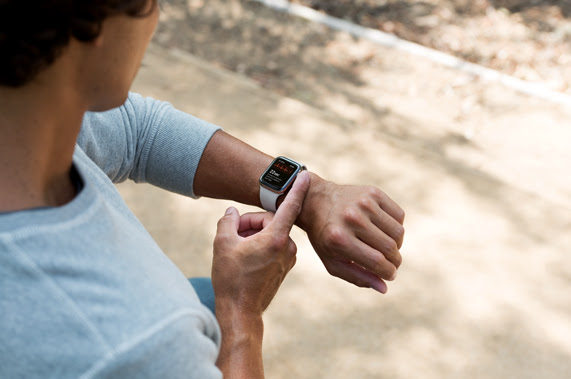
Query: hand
[[357, 232], [253, 253]]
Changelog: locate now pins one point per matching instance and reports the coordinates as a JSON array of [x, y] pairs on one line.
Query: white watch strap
[[268, 199]]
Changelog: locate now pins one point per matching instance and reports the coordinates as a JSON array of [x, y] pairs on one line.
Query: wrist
[[318, 190], [239, 323], [240, 353]]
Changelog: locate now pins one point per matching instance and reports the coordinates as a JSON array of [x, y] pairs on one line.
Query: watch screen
[[279, 174]]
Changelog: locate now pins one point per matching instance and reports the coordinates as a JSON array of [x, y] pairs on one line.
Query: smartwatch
[[277, 180]]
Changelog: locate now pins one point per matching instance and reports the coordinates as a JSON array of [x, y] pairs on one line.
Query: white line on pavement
[[392, 41]]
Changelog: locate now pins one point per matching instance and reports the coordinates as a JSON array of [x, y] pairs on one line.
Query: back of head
[[34, 32]]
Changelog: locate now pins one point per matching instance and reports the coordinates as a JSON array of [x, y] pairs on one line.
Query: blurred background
[[481, 170]]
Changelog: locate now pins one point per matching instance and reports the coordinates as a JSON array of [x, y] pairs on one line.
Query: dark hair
[[34, 32]]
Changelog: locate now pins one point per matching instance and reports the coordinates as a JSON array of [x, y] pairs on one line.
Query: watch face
[[280, 174]]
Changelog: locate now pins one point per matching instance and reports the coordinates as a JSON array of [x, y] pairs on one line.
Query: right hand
[[253, 253]]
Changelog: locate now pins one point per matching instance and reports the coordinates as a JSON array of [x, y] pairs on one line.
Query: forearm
[[230, 169], [241, 350]]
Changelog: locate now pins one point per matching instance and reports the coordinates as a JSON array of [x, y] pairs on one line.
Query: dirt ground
[[480, 170], [530, 39], [355, 80], [483, 289]]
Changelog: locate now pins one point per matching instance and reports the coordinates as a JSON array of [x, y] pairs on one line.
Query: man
[[85, 292]]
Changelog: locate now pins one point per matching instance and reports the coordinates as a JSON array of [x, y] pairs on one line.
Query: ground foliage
[[530, 39]]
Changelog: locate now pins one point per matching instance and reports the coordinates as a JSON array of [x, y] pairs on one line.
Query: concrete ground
[[484, 288]]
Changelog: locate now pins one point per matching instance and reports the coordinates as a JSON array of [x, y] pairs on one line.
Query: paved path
[[484, 288]]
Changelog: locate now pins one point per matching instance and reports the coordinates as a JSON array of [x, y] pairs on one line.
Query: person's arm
[[252, 255], [357, 231], [241, 350], [230, 169]]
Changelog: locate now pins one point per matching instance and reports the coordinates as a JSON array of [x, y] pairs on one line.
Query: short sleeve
[[148, 141]]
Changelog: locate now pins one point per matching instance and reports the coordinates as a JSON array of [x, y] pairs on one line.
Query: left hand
[[357, 232]]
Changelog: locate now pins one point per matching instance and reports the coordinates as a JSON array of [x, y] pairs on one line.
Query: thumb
[[229, 224]]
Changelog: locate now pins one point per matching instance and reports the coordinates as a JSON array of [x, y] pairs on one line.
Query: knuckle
[[399, 233], [379, 265], [391, 246], [278, 241], [401, 215], [392, 273], [397, 260], [335, 237], [296, 206], [292, 250], [291, 255], [384, 268], [391, 253], [366, 203], [352, 217], [375, 193]]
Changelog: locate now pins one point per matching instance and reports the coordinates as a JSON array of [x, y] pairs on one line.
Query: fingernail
[[229, 210]]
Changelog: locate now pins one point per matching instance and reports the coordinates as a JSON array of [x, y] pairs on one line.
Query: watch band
[[269, 199]]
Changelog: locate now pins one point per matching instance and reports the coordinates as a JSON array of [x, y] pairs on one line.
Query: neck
[[39, 124]]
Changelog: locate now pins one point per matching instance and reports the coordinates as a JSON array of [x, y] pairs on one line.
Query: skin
[[40, 122], [252, 255], [356, 231]]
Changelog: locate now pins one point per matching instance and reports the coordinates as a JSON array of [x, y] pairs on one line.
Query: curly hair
[[34, 32]]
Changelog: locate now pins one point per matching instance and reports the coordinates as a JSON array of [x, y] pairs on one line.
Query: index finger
[[290, 209]]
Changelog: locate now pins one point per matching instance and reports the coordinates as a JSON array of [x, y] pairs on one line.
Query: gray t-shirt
[[85, 292]]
